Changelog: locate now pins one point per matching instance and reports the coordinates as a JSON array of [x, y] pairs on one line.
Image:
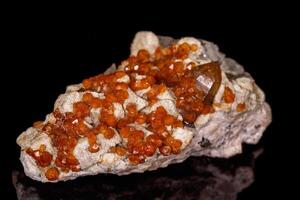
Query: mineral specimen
[[169, 100]]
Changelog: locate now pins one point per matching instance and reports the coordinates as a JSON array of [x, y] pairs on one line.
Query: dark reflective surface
[[196, 178]]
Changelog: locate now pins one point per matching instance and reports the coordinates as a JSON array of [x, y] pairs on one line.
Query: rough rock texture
[[218, 134], [196, 178]]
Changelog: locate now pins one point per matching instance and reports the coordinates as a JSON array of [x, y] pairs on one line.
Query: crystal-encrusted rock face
[[169, 100]]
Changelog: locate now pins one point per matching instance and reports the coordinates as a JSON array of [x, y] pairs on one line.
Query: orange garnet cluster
[[165, 70]]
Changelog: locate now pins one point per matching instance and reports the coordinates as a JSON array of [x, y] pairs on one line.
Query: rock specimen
[[169, 100]]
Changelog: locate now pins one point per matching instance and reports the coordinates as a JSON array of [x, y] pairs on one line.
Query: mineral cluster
[[170, 99]]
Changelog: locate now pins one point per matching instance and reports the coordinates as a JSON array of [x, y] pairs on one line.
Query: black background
[[47, 53]]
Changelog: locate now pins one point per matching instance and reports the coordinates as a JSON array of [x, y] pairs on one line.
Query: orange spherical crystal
[[228, 95], [136, 136], [190, 117], [52, 174], [131, 110], [149, 149], [143, 55], [121, 151], [141, 118], [184, 47], [71, 159], [207, 109], [87, 97], [96, 103], [169, 120], [125, 121], [241, 107], [81, 109], [152, 101], [125, 132], [136, 159], [111, 97], [92, 139], [165, 150], [194, 47], [154, 139], [179, 67], [121, 95], [42, 148], [94, 148], [87, 83], [144, 68], [183, 50], [176, 146], [108, 133], [161, 111], [137, 148], [45, 159]]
